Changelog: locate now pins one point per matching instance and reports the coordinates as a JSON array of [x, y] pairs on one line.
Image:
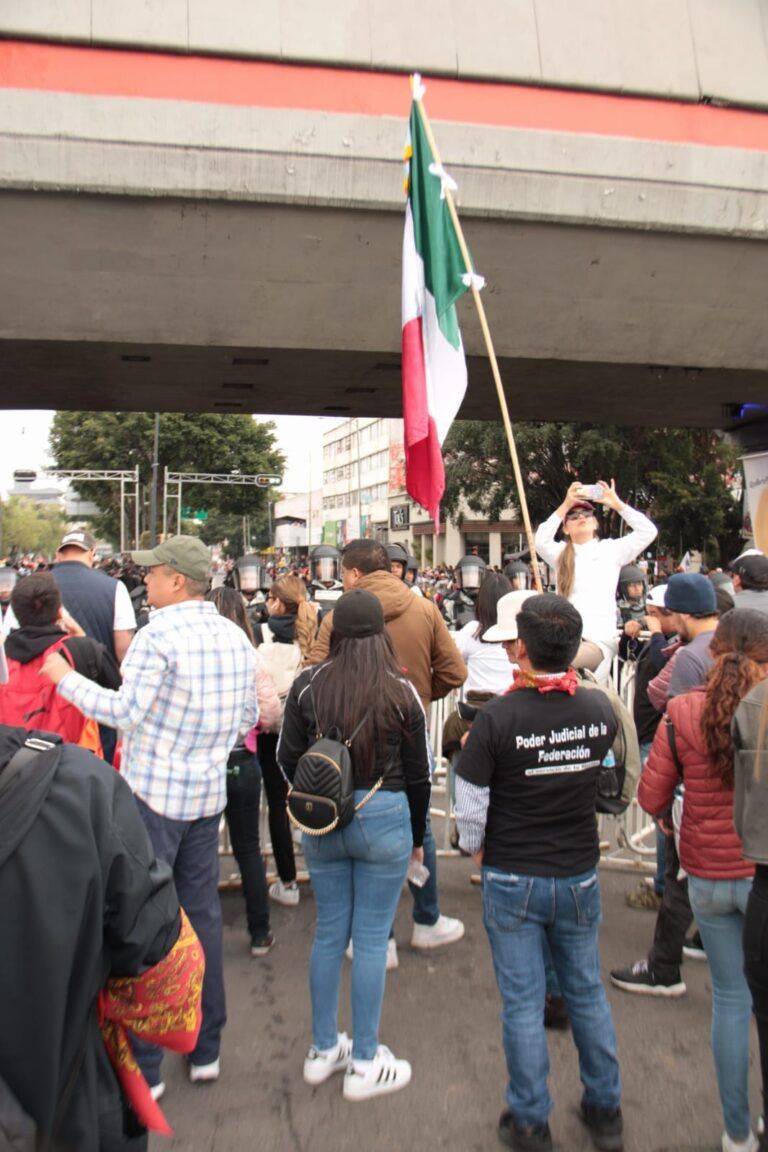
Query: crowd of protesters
[[200, 683]]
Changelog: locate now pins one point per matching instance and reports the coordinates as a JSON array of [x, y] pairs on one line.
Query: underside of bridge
[[162, 304]]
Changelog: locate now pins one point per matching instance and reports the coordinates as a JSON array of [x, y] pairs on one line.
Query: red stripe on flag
[[415, 406], [424, 472], [425, 475]]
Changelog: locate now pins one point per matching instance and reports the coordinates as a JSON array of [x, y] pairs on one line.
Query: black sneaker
[[694, 947], [606, 1127], [556, 1014], [534, 1139], [641, 979], [260, 945]]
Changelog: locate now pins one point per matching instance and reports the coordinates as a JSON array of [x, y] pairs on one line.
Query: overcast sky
[[25, 445]]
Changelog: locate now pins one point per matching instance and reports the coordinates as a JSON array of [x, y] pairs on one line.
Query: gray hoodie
[[750, 807]]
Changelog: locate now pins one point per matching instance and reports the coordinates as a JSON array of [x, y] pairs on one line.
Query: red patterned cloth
[[162, 1006], [568, 682]]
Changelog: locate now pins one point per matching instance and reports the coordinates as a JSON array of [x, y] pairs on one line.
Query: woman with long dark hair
[[357, 872], [699, 747], [487, 664], [244, 790], [750, 816], [284, 642], [588, 568]]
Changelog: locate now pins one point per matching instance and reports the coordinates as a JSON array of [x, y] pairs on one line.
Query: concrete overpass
[[186, 228]]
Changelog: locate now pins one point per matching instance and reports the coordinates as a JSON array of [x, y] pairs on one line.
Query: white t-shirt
[[598, 563], [488, 668]]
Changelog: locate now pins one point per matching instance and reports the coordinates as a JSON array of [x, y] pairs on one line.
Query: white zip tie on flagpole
[[446, 181], [419, 88], [473, 280]]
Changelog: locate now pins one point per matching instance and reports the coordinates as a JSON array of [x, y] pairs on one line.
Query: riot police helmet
[[519, 575], [324, 565], [631, 574], [398, 560], [249, 576], [411, 569], [8, 578], [469, 574]]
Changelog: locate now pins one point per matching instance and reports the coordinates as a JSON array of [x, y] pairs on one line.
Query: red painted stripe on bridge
[[257, 83]]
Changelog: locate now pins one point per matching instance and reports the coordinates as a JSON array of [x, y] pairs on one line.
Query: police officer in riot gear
[[519, 575], [8, 578], [398, 560], [458, 608], [412, 574], [325, 585], [404, 566], [249, 577]]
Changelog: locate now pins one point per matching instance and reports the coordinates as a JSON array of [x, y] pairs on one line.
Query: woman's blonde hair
[[291, 591], [565, 569]]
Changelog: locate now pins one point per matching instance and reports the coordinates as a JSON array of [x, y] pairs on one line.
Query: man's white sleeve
[[471, 814]]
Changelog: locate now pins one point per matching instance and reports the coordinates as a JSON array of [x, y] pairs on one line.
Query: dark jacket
[[89, 657], [750, 809], [709, 845], [82, 898], [404, 758], [652, 658]]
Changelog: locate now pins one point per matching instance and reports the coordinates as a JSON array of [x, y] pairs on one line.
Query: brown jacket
[[422, 643]]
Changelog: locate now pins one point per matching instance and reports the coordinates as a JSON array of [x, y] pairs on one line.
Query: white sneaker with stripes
[[368, 1078], [320, 1064]]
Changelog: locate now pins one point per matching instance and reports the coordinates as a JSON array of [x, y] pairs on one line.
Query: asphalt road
[[441, 1012]]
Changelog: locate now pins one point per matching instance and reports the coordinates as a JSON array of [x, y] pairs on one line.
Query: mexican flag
[[433, 365]]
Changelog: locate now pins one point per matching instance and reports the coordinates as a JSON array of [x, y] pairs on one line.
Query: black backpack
[[322, 796]]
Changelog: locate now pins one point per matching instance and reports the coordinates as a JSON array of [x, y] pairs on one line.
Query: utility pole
[[155, 477]]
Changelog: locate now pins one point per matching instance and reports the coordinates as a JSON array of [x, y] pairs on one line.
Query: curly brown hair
[[740, 646]]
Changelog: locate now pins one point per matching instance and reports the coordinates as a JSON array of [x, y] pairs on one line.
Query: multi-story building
[[364, 494]]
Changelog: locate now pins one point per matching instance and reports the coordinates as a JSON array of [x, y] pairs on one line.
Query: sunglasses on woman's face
[[579, 514]]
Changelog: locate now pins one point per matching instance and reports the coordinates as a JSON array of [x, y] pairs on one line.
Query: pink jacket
[[270, 708]]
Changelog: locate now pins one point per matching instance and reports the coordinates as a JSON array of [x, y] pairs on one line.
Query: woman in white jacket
[[588, 568]]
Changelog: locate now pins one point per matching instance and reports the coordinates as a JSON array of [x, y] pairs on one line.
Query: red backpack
[[29, 700]]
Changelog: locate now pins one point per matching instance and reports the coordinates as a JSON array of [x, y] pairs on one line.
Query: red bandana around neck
[[567, 682]]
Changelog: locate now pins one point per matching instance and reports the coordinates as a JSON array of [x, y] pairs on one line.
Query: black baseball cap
[[357, 614]]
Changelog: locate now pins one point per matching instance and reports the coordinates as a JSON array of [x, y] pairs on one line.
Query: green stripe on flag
[[434, 234]]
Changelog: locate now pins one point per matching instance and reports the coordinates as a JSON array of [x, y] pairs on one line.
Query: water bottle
[[608, 784]]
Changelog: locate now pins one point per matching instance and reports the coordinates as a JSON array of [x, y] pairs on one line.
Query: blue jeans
[[191, 847], [243, 815], [426, 909], [521, 914], [357, 874], [719, 907]]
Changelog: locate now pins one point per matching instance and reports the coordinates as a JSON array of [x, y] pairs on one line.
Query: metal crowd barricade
[[627, 841], [442, 783]]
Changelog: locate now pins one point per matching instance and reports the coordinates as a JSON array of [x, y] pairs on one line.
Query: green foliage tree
[[680, 476], [31, 527], [189, 442]]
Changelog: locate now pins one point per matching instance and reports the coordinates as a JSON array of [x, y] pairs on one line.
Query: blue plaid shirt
[[189, 688]]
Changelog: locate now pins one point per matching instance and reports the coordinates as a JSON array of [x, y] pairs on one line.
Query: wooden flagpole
[[489, 347]]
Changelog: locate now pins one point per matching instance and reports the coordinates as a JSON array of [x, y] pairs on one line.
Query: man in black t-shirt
[[525, 807]]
